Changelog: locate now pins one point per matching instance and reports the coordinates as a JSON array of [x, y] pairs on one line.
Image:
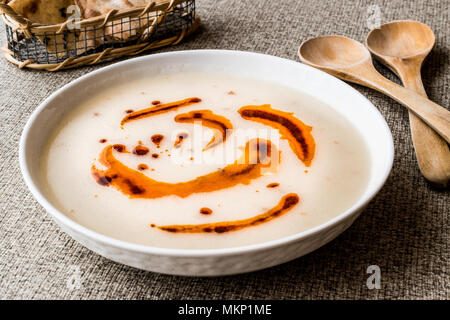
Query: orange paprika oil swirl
[[210, 120], [286, 203], [135, 184], [295, 131], [158, 109]]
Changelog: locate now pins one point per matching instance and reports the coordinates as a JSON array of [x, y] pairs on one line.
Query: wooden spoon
[[350, 60], [403, 46]]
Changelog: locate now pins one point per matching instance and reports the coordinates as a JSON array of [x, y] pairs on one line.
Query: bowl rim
[[147, 249]]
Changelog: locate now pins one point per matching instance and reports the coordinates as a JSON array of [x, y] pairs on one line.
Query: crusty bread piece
[[42, 11], [53, 12], [124, 31], [93, 8]]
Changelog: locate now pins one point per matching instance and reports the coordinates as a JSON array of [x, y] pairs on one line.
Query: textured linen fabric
[[404, 230]]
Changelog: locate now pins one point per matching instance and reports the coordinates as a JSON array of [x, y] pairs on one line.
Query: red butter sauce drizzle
[[158, 109], [292, 129], [135, 184], [210, 120], [286, 204]]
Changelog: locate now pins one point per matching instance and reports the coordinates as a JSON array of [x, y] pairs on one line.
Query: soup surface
[[203, 161]]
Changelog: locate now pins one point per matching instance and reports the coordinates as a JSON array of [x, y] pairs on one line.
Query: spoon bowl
[[403, 39], [333, 52]]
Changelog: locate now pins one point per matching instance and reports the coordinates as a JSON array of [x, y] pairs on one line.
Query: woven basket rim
[[17, 21], [98, 57], [161, 7]]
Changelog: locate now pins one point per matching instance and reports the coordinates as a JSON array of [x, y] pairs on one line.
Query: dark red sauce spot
[[206, 211], [221, 229], [180, 139], [157, 138], [134, 189], [119, 148], [140, 150], [142, 167], [273, 185], [102, 180]]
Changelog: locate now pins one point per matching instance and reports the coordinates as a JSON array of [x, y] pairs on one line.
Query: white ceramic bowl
[[337, 94]]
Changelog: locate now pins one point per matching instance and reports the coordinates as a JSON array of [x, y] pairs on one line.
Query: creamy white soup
[[203, 161]]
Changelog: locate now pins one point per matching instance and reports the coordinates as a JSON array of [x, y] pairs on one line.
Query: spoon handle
[[431, 113], [432, 152]]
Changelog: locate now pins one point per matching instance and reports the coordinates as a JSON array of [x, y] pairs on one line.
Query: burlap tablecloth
[[405, 230]]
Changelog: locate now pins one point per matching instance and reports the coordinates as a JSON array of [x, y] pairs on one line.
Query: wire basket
[[76, 43]]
